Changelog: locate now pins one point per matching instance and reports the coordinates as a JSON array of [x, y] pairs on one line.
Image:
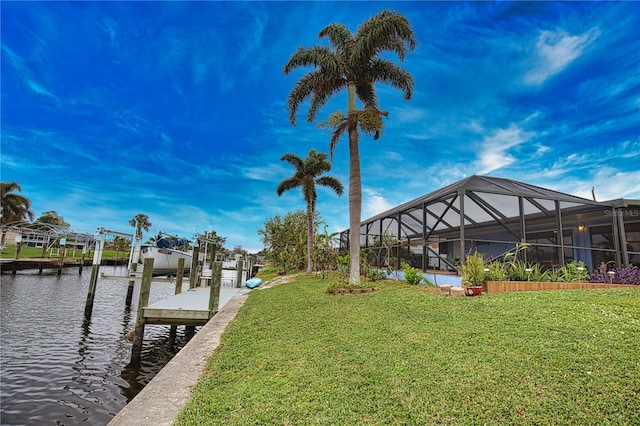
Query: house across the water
[[494, 215]]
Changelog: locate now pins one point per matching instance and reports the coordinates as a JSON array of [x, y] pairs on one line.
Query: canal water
[[58, 368]]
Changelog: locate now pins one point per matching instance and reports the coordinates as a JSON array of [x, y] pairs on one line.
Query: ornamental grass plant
[[404, 355]]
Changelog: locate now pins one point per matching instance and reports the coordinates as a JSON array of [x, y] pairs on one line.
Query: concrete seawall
[[161, 400]]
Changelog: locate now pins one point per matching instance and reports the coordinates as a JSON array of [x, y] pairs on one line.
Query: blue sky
[[177, 109]]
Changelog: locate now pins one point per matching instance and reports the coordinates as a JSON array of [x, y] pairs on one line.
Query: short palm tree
[[15, 207], [353, 62], [140, 222], [306, 177]]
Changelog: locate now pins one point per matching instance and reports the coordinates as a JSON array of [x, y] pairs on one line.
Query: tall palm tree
[[353, 62], [15, 207], [140, 222], [307, 176]]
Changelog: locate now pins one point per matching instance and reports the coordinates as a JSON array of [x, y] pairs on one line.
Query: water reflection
[[57, 366]]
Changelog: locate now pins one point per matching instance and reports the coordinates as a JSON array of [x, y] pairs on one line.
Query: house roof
[[483, 199]]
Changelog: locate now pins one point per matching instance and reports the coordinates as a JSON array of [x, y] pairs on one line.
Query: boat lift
[[134, 253]]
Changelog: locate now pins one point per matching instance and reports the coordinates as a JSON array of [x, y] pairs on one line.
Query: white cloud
[[268, 172], [494, 148], [555, 51], [612, 184], [373, 203], [607, 183], [410, 114]]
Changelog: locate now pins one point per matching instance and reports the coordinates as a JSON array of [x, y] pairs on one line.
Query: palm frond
[[386, 71], [339, 36], [332, 183], [338, 131], [366, 92], [15, 207], [386, 31], [316, 56], [294, 160], [287, 184], [326, 89]]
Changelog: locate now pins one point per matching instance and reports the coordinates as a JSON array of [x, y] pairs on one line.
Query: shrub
[[496, 271], [343, 266], [626, 275], [573, 272], [412, 275], [519, 270], [473, 273], [378, 274]]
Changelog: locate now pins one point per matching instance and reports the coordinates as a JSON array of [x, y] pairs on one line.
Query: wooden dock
[[191, 307]]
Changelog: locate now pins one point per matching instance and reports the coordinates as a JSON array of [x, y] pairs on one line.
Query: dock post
[[93, 281], [91, 294], [18, 246], [239, 266], [44, 252], [81, 262], [63, 246], [179, 275], [132, 283], [249, 267], [193, 274], [143, 301], [214, 290]]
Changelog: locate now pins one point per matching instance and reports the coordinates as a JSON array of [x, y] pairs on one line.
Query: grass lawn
[[295, 355], [9, 252]]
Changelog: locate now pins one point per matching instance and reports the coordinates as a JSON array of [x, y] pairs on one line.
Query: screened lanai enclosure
[[493, 216], [47, 236]]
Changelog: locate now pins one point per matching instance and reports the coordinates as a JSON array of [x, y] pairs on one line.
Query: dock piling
[[93, 280], [91, 294], [44, 252], [179, 275], [81, 262], [193, 274], [143, 301], [214, 290], [127, 302], [63, 249], [239, 268]]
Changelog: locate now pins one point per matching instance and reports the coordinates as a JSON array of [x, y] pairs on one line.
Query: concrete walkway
[[161, 400]]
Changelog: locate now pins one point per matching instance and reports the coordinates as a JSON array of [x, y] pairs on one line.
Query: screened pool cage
[[47, 236], [493, 216]]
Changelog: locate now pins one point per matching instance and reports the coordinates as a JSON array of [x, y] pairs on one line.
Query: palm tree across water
[[307, 176], [15, 207], [353, 62], [140, 222]]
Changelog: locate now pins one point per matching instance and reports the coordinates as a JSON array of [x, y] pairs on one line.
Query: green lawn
[[296, 355], [9, 252]]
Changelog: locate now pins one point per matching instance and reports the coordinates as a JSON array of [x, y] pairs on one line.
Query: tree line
[[16, 209]]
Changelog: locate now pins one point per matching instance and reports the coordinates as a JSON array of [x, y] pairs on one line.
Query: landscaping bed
[[506, 286]]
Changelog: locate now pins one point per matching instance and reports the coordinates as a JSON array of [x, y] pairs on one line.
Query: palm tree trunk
[[309, 237], [355, 192]]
